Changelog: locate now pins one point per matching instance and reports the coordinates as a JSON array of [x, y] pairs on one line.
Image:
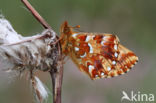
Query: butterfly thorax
[[66, 32]]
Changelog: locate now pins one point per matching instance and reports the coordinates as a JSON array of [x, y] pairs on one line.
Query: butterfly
[[100, 55]]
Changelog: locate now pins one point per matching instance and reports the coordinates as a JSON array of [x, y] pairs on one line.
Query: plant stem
[[56, 71]]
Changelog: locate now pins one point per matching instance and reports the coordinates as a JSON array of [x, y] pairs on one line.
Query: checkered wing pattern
[[99, 55]]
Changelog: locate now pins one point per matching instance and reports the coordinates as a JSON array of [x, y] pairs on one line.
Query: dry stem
[[57, 69]]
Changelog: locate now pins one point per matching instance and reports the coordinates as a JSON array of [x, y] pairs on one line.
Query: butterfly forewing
[[99, 55]]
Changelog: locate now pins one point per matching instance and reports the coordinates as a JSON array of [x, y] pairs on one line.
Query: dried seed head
[[18, 54]]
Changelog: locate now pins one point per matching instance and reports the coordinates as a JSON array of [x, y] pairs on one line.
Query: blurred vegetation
[[132, 20]]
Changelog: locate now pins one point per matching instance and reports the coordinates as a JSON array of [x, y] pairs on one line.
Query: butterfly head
[[66, 29]]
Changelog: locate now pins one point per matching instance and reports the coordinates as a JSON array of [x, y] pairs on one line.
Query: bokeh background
[[133, 21]]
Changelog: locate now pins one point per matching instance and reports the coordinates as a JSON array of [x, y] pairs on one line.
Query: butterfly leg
[[60, 38]]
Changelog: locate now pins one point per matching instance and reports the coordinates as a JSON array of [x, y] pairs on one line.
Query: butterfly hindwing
[[99, 55]]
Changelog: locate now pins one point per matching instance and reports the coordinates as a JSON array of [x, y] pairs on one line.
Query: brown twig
[[56, 71], [57, 76], [36, 14]]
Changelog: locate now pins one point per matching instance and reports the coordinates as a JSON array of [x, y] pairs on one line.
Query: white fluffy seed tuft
[[42, 89], [18, 54], [7, 33]]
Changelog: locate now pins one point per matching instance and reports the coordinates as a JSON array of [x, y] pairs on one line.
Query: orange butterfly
[[99, 55]]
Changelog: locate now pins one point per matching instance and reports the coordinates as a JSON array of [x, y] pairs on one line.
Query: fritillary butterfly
[[99, 55]]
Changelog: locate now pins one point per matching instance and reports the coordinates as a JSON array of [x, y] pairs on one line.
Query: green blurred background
[[133, 21]]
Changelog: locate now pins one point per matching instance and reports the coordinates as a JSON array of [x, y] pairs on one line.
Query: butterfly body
[[100, 55]]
